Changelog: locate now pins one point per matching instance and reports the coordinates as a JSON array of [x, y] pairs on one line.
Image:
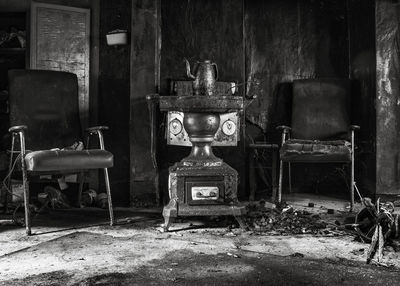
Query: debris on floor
[[378, 224], [285, 220], [54, 198]]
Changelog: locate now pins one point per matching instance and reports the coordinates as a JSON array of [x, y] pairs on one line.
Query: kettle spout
[[188, 72]]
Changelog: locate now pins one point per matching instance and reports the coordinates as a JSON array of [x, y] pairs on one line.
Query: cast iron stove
[[202, 184]]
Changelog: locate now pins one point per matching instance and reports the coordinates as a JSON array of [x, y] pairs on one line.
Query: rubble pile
[[285, 220]]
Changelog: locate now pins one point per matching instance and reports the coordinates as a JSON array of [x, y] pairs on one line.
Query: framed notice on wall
[[60, 40]]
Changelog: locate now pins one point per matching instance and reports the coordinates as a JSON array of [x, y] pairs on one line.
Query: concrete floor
[[77, 247]]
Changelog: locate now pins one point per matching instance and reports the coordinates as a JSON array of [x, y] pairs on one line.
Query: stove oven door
[[205, 190]]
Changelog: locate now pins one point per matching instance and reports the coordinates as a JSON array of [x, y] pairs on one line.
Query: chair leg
[[81, 182], [274, 165], [252, 179], [26, 203], [352, 173], [110, 207], [26, 197], [290, 177], [6, 195], [279, 198], [352, 186], [25, 184]]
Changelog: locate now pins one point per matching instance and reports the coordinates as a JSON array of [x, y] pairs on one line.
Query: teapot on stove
[[205, 74]]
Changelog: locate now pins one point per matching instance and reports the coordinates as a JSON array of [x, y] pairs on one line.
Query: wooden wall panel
[[200, 30], [60, 40], [143, 81], [387, 102]]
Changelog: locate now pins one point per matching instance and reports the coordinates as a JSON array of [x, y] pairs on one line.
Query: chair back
[[321, 109], [46, 102]]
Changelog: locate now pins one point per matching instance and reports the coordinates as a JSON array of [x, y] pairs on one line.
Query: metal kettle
[[204, 76]]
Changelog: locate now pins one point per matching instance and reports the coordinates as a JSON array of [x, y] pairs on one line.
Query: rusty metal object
[[373, 215], [202, 184], [226, 135], [185, 88], [201, 128], [217, 178], [183, 179], [219, 104], [376, 223], [204, 78]]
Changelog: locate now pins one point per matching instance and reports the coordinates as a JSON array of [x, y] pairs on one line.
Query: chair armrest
[[354, 127], [18, 128], [153, 96], [283, 127], [95, 129], [285, 132]]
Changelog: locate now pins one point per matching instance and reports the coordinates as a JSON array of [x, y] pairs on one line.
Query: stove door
[[205, 190]]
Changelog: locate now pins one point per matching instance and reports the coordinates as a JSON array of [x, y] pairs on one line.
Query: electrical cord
[[9, 191], [5, 186]]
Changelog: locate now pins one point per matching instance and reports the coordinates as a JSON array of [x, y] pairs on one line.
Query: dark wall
[[363, 73], [287, 40], [144, 81], [113, 96], [201, 30], [388, 88]]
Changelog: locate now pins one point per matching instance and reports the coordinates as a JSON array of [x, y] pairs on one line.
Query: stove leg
[[169, 213], [241, 222], [167, 223]]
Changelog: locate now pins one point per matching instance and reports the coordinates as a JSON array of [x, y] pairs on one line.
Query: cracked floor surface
[[77, 247]]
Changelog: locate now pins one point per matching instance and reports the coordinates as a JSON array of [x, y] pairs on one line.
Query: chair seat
[[64, 160], [296, 150]]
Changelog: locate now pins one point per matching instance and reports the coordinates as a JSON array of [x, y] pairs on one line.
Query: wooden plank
[[387, 91], [60, 40], [143, 79]]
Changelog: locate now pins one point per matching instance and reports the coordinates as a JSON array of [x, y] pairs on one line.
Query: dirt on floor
[[77, 247], [187, 267]]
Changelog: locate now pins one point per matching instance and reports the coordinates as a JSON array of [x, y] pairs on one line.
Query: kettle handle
[[196, 67], [216, 70], [188, 72]]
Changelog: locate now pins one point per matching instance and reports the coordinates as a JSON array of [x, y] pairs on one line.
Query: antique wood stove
[[202, 184]]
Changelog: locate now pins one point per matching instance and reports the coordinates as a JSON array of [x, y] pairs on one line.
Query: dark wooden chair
[[44, 115], [321, 130]]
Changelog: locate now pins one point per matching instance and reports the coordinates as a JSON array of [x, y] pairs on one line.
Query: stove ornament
[[204, 78]]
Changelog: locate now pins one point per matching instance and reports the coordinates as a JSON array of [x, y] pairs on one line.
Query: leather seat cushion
[[64, 160], [297, 150]]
